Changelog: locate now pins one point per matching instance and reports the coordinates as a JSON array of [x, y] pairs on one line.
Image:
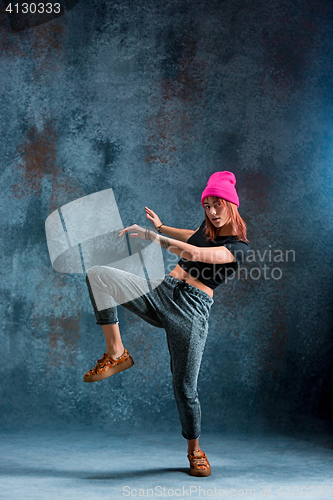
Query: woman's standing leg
[[186, 347], [187, 329], [186, 342]]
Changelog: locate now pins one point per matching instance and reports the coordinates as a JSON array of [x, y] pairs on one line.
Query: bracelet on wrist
[[159, 227]]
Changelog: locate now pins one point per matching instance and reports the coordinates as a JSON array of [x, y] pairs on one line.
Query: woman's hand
[[153, 217], [139, 232]]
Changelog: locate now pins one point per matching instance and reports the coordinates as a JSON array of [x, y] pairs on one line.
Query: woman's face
[[215, 211]]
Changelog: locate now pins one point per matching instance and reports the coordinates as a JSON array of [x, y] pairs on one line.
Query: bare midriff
[[181, 274]]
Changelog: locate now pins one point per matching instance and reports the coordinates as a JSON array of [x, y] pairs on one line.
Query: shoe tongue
[[197, 453]]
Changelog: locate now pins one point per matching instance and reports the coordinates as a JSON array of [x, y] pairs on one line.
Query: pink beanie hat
[[222, 185]]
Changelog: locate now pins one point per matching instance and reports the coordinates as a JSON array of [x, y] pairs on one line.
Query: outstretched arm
[[173, 232], [217, 255]]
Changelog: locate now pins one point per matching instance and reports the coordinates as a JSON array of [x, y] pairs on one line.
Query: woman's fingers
[[123, 231], [126, 229], [150, 212]]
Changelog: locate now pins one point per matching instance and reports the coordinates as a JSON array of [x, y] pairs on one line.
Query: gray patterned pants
[[181, 309]]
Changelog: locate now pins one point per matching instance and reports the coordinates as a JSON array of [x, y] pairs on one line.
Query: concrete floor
[[85, 465]]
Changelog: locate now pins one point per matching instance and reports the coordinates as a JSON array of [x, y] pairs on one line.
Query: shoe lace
[[102, 362], [199, 461]]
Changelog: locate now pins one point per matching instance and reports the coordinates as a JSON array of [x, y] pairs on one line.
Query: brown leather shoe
[[199, 464], [107, 366]]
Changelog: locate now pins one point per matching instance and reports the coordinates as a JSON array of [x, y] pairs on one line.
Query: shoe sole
[[200, 473], [108, 373]]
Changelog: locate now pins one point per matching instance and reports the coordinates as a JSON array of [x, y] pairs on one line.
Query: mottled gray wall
[[150, 98]]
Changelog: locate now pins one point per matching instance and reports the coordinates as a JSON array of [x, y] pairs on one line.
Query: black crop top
[[213, 275]]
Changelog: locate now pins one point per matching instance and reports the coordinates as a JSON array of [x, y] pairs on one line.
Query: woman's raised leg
[[114, 344], [107, 288]]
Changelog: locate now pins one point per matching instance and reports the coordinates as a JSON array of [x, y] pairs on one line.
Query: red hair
[[239, 226]]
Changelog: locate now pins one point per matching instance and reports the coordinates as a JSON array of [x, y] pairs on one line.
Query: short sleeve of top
[[213, 275]]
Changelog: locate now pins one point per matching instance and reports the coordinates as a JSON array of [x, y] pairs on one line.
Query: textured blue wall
[[150, 98]]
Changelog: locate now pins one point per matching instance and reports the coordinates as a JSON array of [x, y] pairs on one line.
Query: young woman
[[180, 304]]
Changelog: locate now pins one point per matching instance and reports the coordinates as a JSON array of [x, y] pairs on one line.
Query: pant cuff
[[106, 323], [186, 437]]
